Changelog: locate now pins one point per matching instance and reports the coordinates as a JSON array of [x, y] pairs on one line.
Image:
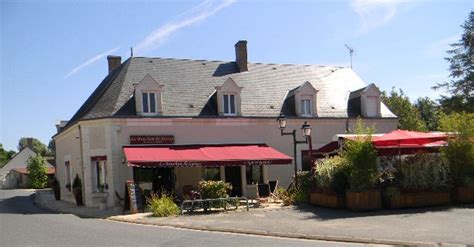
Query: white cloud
[[439, 47], [90, 61], [195, 15], [376, 13]]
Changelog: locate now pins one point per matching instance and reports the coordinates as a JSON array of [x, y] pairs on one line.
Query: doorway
[[155, 180], [233, 176]]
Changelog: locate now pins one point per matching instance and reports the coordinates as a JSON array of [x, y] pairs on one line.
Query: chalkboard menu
[[133, 199]]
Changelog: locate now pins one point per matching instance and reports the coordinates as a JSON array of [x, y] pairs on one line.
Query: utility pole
[[351, 51]]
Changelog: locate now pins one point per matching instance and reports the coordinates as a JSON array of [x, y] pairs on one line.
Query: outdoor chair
[[273, 185]]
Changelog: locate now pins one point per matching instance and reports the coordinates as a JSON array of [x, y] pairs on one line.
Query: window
[[149, 102], [229, 104], [305, 107], [68, 175], [372, 106], [99, 177], [212, 173], [254, 174]]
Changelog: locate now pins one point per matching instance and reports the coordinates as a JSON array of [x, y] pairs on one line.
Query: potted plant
[[361, 158], [56, 189], [330, 183], [421, 180], [77, 190], [459, 154]]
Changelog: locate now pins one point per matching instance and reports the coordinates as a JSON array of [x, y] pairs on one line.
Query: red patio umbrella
[[406, 137]]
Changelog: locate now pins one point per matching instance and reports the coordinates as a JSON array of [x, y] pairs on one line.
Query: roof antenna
[[351, 51], [131, 51]]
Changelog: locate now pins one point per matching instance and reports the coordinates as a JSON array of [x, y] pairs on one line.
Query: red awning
[[204, 155], [405, 137]]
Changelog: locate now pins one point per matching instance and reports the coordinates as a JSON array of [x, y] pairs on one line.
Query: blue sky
[[53, 53]]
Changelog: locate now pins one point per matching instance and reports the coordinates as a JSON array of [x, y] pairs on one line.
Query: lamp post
[[306, 128]]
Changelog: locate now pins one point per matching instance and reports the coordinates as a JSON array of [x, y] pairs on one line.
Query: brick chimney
[[241, 55], [114, 62]]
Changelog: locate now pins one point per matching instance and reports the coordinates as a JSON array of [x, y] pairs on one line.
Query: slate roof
[[189, 88]]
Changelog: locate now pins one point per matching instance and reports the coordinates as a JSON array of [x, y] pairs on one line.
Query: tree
[[430, 112], [5, 156], [51, 147], [37, 172], [461, 67], [408, 115], [38, 146]]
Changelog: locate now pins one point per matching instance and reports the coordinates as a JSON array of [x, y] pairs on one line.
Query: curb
[[345, 239]]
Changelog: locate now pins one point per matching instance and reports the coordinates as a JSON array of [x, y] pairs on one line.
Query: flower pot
[[364, 200], [327, 200], [420, 199], [463, 194]]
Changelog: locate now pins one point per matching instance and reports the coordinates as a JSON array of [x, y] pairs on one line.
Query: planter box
[[363, 201], [327, 200], [422, 199], [463, 194]]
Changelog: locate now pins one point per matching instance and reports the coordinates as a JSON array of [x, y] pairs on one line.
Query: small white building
[[14, 174], [154, 120]]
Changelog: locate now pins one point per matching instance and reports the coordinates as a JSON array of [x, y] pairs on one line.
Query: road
[[24, 224]]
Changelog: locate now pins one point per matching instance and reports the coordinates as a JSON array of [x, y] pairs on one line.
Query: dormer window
[[228, 98], [305, 100], [149, 103], [229, 104], [148, 97]]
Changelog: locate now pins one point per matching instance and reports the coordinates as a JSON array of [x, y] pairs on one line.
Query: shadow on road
[[21, 205], [322, 213]]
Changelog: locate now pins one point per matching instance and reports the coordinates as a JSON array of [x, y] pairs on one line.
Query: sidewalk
[[411, 227], [45, 199]]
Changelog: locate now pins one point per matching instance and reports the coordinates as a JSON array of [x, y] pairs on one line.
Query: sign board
[[165, 139], [133, 197]]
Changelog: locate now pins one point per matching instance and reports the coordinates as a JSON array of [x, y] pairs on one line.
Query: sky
[[53, 53]]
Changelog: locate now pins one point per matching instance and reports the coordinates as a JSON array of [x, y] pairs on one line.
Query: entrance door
[[163, 180], [234, 177]]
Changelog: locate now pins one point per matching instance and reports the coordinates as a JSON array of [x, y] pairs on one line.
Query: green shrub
[[77, 184], [214, 189], [282, 194], [331, 174], [361, 158], [423, 172], [162, 206], [459, 154], [37, 172], [300, 193]]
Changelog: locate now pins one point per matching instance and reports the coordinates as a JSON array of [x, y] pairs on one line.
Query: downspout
[[82, 165]]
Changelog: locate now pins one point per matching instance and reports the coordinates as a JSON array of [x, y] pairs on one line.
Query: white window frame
[[306, 107], [99, 179], [147, 98], [229, 108]]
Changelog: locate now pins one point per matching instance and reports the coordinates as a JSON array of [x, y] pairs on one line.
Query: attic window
[[306, 107], [229, 104], [149, 102]]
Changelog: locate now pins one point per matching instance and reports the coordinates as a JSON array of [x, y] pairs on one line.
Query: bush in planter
[[423, 172], [56, 189], [331, 174], [162, 206], [213, 190], [77, 190], [459, 154]]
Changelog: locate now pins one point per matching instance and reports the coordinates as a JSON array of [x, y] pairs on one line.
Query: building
[[202, 106], [14, 174]]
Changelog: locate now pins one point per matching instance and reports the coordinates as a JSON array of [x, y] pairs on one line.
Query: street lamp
[[306, 128]]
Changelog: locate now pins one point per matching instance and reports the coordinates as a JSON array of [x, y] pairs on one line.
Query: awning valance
[[204, 155]]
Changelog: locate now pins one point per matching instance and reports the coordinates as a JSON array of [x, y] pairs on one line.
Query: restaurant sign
[[165, 139]]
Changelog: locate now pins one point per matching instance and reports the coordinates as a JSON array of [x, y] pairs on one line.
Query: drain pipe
[[82, 165]]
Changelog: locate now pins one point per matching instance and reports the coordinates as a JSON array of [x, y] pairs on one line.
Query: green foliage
[[300, 193], [408, 115], [214, 189], [461, 67], [459, 153], [5, 156], [361, 158], [331, 174], [430, 112], [38, 146], [423, 172], [282, 194], [37, 172], [162, 206]]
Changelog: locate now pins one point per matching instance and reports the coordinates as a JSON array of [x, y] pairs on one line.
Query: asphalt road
[[24, 224]]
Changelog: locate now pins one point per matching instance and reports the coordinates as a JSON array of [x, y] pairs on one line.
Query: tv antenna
[[351, 51]]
